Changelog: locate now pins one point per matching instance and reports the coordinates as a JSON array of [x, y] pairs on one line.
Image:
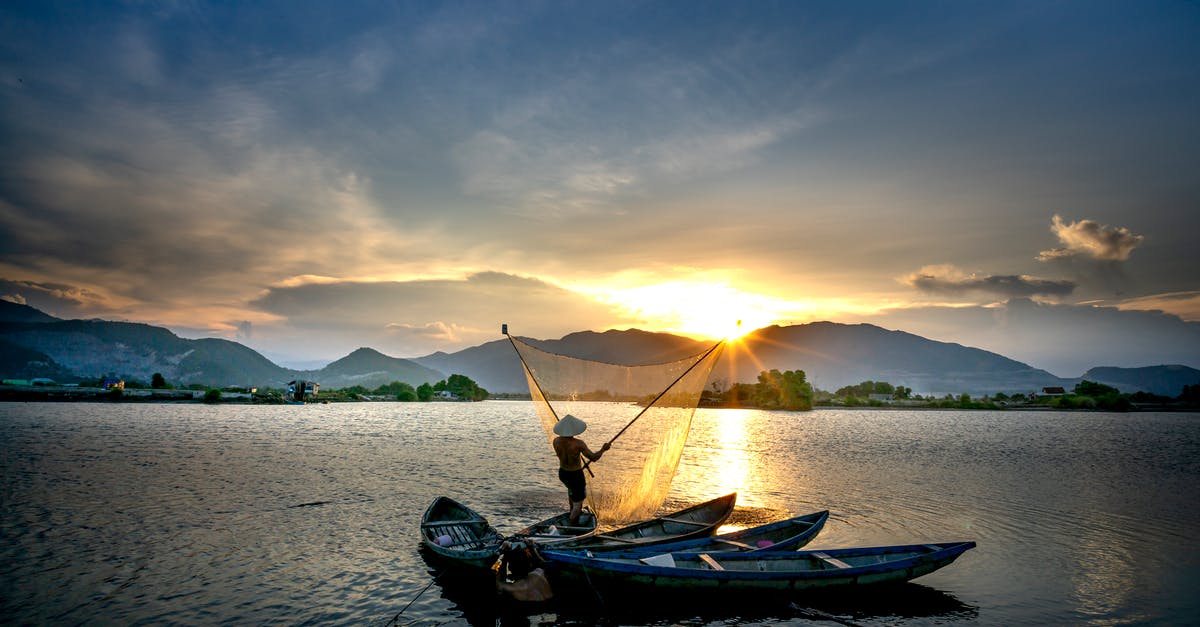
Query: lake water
[[257, 515]]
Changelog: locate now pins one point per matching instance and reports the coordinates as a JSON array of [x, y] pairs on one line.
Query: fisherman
[[519, 573], [571, 451]]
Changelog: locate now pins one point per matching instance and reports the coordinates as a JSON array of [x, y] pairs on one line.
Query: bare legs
[[576, 510]]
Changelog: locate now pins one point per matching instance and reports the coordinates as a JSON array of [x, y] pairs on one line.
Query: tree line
[[456, 386], [790, 390]]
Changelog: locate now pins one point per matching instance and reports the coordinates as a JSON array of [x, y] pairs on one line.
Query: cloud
[[542, 173], [947, 279], [413, 318], [58, 299], [437, 331], [1091, 239], [1186, 305]]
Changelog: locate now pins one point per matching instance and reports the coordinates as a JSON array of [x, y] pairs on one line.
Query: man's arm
[[588, 453]]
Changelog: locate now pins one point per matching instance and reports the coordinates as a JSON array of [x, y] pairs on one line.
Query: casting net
[[644, 410]]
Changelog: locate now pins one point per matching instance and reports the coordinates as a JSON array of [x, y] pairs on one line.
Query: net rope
[[645, 411]]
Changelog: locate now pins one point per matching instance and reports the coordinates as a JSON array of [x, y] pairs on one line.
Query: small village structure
[[302, 391]]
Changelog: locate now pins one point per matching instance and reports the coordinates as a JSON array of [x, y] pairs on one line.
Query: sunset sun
[[709, 310]]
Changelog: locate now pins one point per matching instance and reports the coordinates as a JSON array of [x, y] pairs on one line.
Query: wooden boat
[[691, 522], [766, 571], [558, 529], [781, 535], [457, 532]]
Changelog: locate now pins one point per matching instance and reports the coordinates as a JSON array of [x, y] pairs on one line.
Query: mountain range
[[34, 344]]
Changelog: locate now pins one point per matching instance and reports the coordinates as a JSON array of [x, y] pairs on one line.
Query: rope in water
[[822, 615], [396, 619]]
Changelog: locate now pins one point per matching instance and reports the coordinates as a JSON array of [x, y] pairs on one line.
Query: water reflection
[[137, 514], [1102, 576], [731, 463]]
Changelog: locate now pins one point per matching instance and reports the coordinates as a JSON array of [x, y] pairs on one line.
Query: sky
[[308, 178]]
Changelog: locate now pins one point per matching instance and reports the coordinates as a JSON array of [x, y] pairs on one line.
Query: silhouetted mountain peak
[[1164, 380], [832, 354], [16, 312]]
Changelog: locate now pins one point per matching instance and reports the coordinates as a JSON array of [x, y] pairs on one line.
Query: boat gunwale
[[814, 527], [606, 563]]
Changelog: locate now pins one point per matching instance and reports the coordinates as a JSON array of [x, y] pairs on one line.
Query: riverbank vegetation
[[787, 390], [456, 387], [791, 391]]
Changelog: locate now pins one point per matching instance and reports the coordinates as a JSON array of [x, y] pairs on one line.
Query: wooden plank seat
[[712, 563], [466, 543], [832, 561], [629, 540], [686, 522], [460, 535]]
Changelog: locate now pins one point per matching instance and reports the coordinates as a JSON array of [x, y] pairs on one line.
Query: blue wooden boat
[[697, 521], [781, 535], [456, 532], [765, 571]]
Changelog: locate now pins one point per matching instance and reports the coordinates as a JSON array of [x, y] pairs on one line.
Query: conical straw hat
[[570, 426]]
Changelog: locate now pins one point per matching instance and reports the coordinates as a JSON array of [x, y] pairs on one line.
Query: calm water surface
[[197, 515]]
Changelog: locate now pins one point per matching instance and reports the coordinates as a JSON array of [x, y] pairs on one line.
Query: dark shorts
[[576, 484]]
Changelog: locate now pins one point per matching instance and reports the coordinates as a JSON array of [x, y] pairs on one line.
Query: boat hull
[[697, 521], [558, 529], [768, 571], [788, 534], [458, 533]]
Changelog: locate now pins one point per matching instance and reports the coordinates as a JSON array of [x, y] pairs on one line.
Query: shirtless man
[[528, 579], [571, 451]]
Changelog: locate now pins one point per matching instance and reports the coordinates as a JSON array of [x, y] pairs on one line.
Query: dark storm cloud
[[57, 299], [939, 281]]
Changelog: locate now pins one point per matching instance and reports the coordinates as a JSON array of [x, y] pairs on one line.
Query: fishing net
[[644, 410]]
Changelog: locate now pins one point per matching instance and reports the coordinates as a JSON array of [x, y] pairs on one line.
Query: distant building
[[41, 381], [113, 384], [883, 398], [301, 390], [447, 395], [1053, 391]]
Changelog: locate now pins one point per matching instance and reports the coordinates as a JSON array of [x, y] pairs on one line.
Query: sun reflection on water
[[732, 463]]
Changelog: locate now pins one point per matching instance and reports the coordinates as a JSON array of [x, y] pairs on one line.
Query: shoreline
[[64, 394]]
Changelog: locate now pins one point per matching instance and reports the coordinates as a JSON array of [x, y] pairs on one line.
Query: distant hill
[[1161, 380], [74, 350], [496, 367], [833, 355], [18, 362], [370, 368], [16, 312]]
